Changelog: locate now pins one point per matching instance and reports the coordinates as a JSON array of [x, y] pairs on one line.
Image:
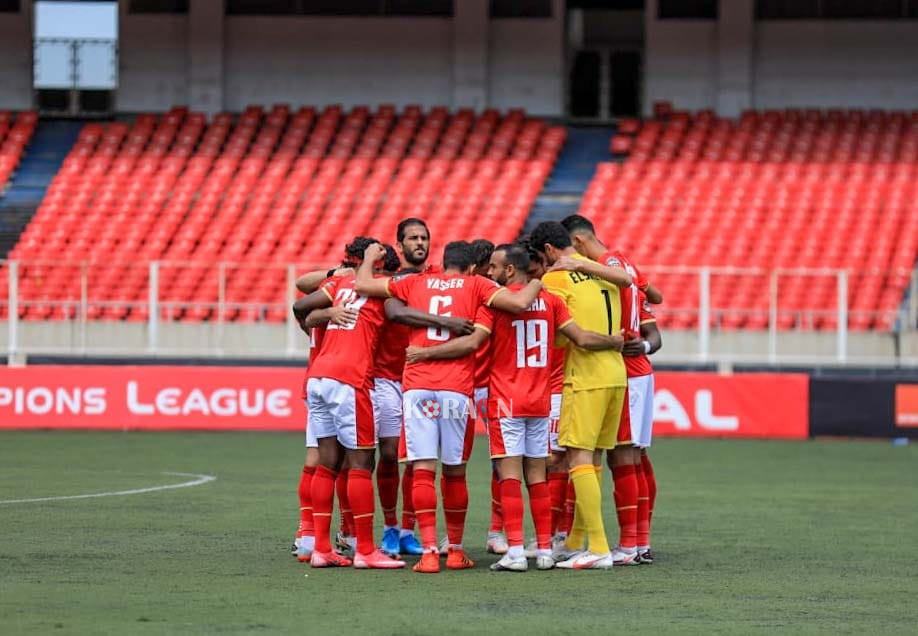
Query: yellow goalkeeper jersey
[[594, 305]]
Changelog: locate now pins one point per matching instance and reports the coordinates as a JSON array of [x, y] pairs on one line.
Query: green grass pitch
[[751, 537]]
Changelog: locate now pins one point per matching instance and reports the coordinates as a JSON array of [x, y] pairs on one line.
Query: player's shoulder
[[556, 278], [613, 258]]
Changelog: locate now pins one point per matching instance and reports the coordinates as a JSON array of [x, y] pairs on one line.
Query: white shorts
[[518, 437], [437, 426], [387, 407], [339, 410], [640, 408], [554, 417], [481, 404], [311, 441]]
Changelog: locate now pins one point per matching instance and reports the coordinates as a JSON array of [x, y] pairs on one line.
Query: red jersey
[[557, 368], [347, 353], [522, 362], [631, 308], [640, 365], [444, 295], [315, 342], [483, 364], [390, 353]]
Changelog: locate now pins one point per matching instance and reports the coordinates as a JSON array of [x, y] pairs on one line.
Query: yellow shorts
[[590, 417]]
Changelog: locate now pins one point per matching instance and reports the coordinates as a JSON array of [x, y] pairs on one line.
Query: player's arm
[[307, 304], [615, 275], [366, 284], [455, 348], [308, 283], [590, 339], [398, 311], [515, 302], [339, 315], [650, 341], [654, 295]]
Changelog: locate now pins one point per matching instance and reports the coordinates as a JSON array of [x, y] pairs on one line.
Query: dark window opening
[[687, 9], [584, 85]]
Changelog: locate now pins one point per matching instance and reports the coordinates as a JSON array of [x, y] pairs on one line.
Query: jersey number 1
[[608, 298]]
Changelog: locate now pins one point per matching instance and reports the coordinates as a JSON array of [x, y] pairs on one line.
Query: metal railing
[[168, 305]]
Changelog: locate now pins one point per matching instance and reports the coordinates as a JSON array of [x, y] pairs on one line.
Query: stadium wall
[[213, 62], [739, 62]]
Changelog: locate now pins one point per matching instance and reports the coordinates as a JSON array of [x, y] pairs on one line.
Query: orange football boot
[[457, 559], [429, 563]]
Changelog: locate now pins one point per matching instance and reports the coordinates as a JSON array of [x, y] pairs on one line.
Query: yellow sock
[[589, 506], [575, 540]]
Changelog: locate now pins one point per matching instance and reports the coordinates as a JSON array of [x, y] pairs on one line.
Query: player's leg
[[497, 541], [305, 534], [387, 413], [557, 478], [506, 437], [456, 420], [323, 495], [321, 421], [623, 460], [345, 539], [407, 542], [645, 551], [422, 445], [583, 428], [356, 432], [306, 538], [641, 403], [535, 459]]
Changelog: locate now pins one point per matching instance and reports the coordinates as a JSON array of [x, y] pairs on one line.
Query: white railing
[[76, 318]]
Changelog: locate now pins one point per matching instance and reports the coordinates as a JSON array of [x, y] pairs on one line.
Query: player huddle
[[545, 341]]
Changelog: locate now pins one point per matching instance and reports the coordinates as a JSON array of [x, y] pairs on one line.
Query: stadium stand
[[264, 190], [15, 132], [775, 189]]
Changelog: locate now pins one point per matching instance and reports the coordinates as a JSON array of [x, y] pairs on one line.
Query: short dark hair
[[552, 233], [458, 255], [575, 222], [354, 250], [525, 243], [516, 254], [404, 224], [481, 251]]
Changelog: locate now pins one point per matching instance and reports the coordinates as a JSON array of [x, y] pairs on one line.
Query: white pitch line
[[198, 481]]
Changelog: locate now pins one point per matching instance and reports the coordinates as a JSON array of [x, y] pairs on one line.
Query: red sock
[[643, 509], [407, 498], [497, 516], [511, 503], [626, 503], [344, 504], [540, 505], [424, 496], [455, 495], [557, 487], [387, 484], [323, 500], [360, 494], [567, 515], [304, 491], [651, 484]]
